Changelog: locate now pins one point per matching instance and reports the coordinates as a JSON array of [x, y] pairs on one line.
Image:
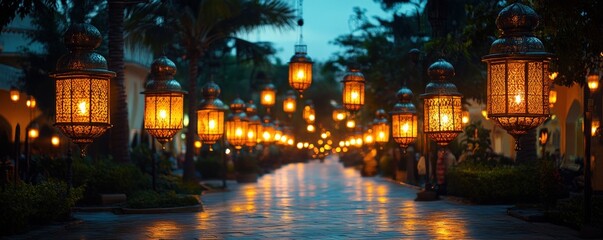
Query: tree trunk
[[119, 109], [189, 165]]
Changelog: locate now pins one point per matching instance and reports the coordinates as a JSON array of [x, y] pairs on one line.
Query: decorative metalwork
[[442, 120], [82, 87], [237, 124], [518, 73], [380, 127], [404, 118], [353, 89], [210, 115], [164, 101], [254, 129], [300, 70]]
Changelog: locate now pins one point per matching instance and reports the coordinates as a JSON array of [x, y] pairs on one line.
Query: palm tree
[[119, 110], [196, 25]]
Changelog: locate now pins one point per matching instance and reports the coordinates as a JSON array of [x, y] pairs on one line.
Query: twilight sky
[[324, 20]]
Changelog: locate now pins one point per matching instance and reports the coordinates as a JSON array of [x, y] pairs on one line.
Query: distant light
[[55, 140]]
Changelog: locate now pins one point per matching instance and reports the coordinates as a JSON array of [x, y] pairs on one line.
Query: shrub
[[151, 199], [35, 204], [109, 177], [498, 184], [210, 167], [570, 212], [175, 183]]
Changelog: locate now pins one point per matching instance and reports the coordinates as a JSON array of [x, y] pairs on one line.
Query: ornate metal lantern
[[254, 129], [82, 87], [404, 118], [518, 73], [300, 69], [289, 103], [381, 127], [339, 114], [268, 96], [164, 101], [14, 94], [267, 130], [353, 89], [592, 79], [237, 124], [210, 115], [309, 115], [31, 102], [442, 120]]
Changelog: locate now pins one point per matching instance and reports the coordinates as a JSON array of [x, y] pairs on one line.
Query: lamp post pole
[[17, 153], [587, 156]]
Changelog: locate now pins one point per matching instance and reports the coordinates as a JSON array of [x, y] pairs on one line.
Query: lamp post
[[82, 89], [592, 81], [210, 120], [442, 117], [164, 105], [518, 73]]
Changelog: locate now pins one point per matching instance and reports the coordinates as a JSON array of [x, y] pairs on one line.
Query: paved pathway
[[314, 201]]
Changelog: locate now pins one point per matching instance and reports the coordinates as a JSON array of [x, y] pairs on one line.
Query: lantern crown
[[380, 115], [516, 23], [251, 109], [81, 40], [237, 105], [211, 91], [162, 72], [301, 54], [404, 104], [440, 73], [354, 74]]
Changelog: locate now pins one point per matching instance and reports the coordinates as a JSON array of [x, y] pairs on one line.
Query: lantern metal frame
[[82, 87], [381, 128], [442, 117], [353, 89], [254, 128], [289, 103], [518, 73], [404, 118], [210, 115], [164, 101], [300, 69], [237, 125]]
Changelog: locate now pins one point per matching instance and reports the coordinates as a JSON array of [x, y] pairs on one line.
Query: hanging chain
[[300, 20]]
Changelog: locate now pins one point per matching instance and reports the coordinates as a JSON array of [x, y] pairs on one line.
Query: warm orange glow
[[552, 97], [310, 128], [163, 114], [485, 114], [353, 89], [210, 125], [14, 94], [553, 75], [350, 123], [268, 95], [300, 145], [339, 114], [300, 69], [31, 102], [309, 114], [33, 133], [55, 141], [595, 124], [593, 82], [323, 135], [198, 144], [465, 118]]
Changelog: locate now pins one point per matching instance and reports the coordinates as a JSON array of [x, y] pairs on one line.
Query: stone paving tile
[[313, 201]]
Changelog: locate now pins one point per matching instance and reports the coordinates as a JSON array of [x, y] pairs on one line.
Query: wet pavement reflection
[[315, 201]]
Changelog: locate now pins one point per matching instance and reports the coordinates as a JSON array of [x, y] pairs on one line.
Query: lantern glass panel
[[353, 95], [381, 132], [82, 107], [268, 97], [236, 133], [289, 105], [404, 126], [210, 125], [163, 114], [254, 133], [300, 75]]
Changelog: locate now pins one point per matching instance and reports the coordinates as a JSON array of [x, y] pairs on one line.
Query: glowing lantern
[[594, 126], [380, 127], [368, 137], [164, 101], [593, 81], [268, 96], [300, 70], [552, 97], [82, 87], [237, 124], [309, 114], [210, 115], [289, 103], [33, 131], [55, 141], [339, 114], [254, 129], [465, 117], [310, 128], [404, 118], [442, 104], [350, 123], [31, 102], [14, 94], [518, 84], [267, 130], [353, 89]]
